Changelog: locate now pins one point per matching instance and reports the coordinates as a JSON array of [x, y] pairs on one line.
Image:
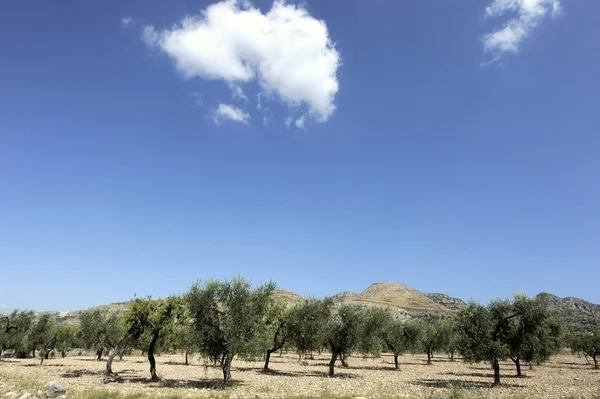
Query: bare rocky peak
[[575, 313], [344, 296], [446, 300]]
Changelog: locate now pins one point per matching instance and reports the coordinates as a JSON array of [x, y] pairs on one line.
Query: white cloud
[[300, 122], [288, 121], [226, 112], [126, 20], [285, 50], [237, 92], [529, 14]]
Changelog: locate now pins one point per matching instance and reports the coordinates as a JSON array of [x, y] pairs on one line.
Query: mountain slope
[[575, 314]]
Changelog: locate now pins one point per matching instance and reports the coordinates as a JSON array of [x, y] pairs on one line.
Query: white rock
[[26, 395]]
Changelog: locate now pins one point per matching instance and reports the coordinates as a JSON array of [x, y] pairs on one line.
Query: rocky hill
[[576, 314], [407, 302], [446, 301]]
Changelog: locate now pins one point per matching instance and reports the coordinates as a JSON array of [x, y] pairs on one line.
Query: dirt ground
[[564, 376]]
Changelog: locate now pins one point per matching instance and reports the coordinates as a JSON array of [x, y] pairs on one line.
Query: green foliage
[[15, 328], [374, 326], [433, 336], [66, 337], [588, 344], [534, 336], [345, 331], [231, 318], [147, 320], [99, 328], [307, 324], [521, 330]]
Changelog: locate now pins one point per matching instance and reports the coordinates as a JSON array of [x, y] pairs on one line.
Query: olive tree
[[147, 320], [533, 334], [307, 324], [433, 336], [66, 338], [100, 329], [15, 328], [483, 333], [588, 344], [41, 336], [344, 331], [230, 318], [519, 330], [92, 326], [278, 332], [400, 337]]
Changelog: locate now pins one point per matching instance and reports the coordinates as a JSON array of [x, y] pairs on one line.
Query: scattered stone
[[53, 389], [10, 394], [26, 395]]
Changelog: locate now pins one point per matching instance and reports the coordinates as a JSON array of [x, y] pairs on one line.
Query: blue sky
[[450, 146]]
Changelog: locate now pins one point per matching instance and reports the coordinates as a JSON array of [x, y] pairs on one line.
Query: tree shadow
[[465, 384], [80, 372], [214, 384], [280, 373], [573, 367], [46, 364], [484, 375]]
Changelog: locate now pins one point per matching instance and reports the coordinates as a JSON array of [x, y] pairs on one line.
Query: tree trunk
[[396, 361], [151, 359], [47, 354], [496, 367], [33, 353], [451, 356], [41, 360], [186, 358], [334, 357], [428, 356], [517, 362], [227, 368], [595, 362], [267, 358], [99, 354], [111, 357], [344, 359]]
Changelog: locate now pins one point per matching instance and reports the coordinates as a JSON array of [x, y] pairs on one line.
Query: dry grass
[[565, 376]]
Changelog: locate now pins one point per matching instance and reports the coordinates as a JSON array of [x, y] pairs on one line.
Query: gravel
[[565, 375]]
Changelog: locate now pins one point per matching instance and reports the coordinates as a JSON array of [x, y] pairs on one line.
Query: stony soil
[[564, 376]]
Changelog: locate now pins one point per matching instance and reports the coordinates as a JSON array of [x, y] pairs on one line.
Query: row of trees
[[223, 320]]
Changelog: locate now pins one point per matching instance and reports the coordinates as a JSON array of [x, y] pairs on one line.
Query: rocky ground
[[565, 376]]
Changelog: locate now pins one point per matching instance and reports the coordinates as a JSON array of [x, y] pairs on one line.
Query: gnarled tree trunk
[[111, 356], [496, 367], [334, 357], [517, 363], [151, 359], [227, 368], [99, 354], [396, 364]]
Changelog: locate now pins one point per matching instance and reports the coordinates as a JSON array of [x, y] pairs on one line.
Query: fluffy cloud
[[126, 20], [226, 112], [529, 14], [285, 50]]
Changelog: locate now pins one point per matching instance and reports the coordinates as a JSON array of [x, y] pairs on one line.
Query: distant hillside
[[576, 314], [446, 300], [406, 302]]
